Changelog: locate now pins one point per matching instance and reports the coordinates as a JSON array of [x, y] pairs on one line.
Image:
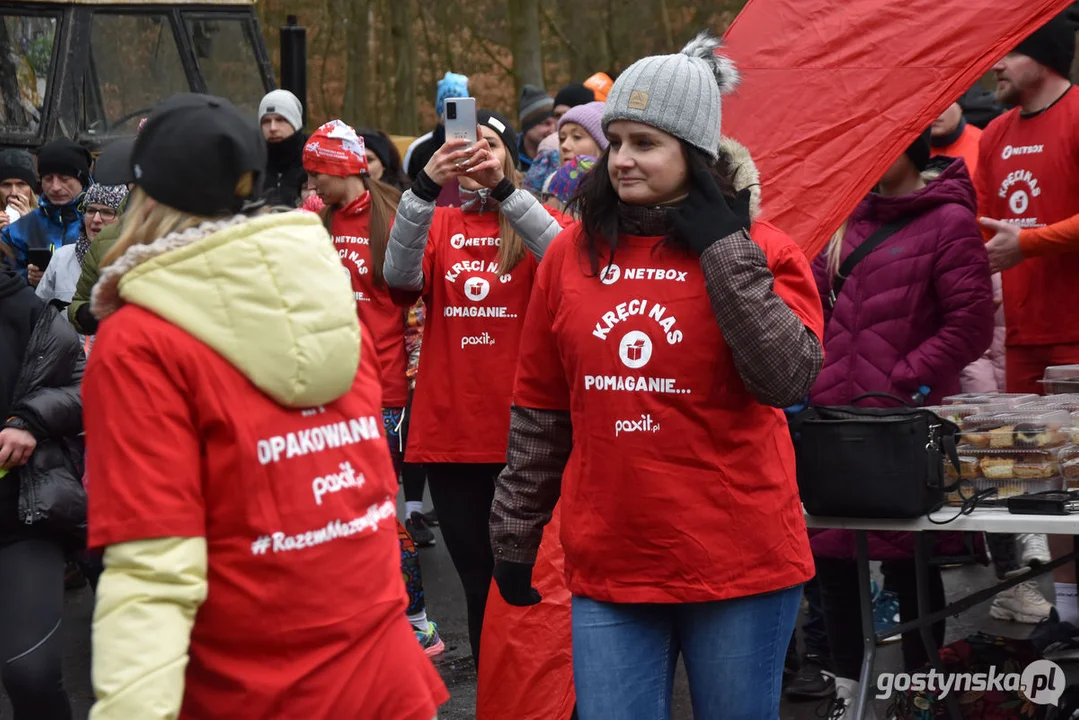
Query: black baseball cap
[[113, 165], [501, 125], [193, 151]]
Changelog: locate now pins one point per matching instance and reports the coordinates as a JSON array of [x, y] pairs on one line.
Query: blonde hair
[[512, 250], [835, 251], [145, 220]]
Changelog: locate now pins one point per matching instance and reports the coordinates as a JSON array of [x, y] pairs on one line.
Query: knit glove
[[707, 215], [515, 583]]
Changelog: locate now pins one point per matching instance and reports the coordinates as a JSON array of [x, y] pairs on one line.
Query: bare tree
[[357, 66], [525, 43], [405, 121], [665, 22]]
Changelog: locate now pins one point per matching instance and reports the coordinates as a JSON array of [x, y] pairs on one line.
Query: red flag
[[833, 91]]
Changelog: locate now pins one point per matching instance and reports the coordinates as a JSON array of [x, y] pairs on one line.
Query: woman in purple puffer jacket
[[914, 312]]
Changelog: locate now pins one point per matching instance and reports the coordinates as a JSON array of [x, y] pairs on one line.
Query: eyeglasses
[[107, 213]]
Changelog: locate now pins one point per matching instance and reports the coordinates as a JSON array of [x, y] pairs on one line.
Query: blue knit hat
[[451, 86]]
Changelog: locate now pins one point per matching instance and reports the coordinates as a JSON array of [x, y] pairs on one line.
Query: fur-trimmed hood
[[745, 172], [267, 293]]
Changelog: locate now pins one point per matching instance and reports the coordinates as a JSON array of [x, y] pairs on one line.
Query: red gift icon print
[[635, 349]]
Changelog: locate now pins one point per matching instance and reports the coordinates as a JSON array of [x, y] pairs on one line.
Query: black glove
[[515, 583], [87, 321], [707, 216]]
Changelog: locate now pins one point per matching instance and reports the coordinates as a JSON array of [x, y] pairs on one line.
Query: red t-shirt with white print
[[386, 321], [1028, 175], [666, 438], [305, 611], [460, 410]]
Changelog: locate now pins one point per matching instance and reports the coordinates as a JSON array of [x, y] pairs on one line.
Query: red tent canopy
[[833, 91]]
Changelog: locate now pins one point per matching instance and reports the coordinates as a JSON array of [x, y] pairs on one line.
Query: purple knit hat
[[590, 117]]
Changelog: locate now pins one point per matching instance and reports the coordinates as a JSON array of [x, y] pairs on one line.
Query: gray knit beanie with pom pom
[[679, 94]]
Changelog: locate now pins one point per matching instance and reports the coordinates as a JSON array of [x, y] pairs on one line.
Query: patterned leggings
[[410, 557]]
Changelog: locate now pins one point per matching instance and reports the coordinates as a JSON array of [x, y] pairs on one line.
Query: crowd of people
[[580, 312]]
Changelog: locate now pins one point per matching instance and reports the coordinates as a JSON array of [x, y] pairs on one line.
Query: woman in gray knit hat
[[666, 331]]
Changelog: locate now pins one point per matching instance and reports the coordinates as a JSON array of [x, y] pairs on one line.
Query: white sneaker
[[846, 696], [1023, 603], [1034, 549]]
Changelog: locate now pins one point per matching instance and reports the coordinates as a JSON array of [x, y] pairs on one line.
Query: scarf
[[285, 155], [357, 206], [82, 245], [643, 220]]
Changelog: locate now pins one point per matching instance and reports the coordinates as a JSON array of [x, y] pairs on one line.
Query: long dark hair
[[597, 202], [393, 174]]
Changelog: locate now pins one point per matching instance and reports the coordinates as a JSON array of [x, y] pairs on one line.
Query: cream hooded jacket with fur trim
[[267, 294]]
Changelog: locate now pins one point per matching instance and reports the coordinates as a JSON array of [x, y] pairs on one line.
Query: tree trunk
[[665, 23], [358, 67], [404, 86], [526, 46], [382, 97]]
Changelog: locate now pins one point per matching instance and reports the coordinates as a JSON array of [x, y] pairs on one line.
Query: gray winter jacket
[[403, 268]]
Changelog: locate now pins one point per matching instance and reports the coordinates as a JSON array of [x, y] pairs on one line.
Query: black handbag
[[873, 462]]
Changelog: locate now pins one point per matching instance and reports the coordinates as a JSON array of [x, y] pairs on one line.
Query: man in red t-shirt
[[1027, 174]]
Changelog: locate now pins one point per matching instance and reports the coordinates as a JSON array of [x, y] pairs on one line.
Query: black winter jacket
[[46, 403], [285, 176]]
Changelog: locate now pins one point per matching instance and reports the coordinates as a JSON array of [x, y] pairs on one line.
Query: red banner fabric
[[833, 91]]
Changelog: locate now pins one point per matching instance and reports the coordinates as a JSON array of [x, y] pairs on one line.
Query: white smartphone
[[461, 119]]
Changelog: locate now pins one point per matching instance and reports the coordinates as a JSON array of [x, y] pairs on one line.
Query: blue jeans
[[624, 656]]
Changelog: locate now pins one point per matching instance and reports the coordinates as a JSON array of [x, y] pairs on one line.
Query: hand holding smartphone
[[39, 257]]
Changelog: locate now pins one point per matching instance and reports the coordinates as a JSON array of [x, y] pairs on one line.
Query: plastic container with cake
[[957, 413], [1060, 379], [1010, 472], [1068, 456], [1067, 401], [1007, 399], [969, 469], [1018, 430]]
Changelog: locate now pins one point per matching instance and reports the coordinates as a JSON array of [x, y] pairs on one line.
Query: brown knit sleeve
[[777, 356], [528, 488]]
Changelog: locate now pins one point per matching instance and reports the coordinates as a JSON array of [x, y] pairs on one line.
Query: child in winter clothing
[[580, 132]]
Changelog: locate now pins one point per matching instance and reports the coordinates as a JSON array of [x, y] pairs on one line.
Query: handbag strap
[[886, 396], [871, 243], [952, 453]]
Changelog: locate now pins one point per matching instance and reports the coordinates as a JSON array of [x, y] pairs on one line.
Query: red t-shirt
[[461, 408], [304, 616], [667, 442], [1028, 174], [386, 321]]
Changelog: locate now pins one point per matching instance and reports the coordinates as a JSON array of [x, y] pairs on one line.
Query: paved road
[[446, 606]]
